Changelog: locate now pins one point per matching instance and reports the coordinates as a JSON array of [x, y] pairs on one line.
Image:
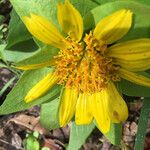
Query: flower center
[[85, 67]]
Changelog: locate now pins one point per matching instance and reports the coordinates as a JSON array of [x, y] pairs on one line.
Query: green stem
[[7, 85], [142, 125]]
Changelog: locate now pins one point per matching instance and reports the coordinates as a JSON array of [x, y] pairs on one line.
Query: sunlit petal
[[99, 108], [44, 30], [114, 27], [133, 65], [117, 107], [134, 77], [67, 107], [70, 20], [83, 109], [36, 66], [41, 87], [131, 50]]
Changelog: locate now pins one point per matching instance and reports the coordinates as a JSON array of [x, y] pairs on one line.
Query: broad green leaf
[[48, 8], [49, 114], [132, 89], [141, 18], [1, 19], [78, 135], [15, 99], [84, 6], [45, 54], [17, 31], [2, 47], [20, 51], [100, 2], [145, 2], [142, 125], [115, 133], [20, 44]]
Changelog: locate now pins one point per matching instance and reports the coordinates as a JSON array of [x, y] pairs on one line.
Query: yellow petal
[[70, 20], [134, 77], [117, 107], [67, 107], [44, 30], [131, 50], [41, 87], [83, 109], [114, 27], [100, 110], [134, 65], [36, 66]]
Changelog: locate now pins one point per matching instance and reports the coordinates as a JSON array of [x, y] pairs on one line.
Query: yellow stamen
[[85, 68]]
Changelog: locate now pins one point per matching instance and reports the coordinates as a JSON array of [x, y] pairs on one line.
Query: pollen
[[84, 66]]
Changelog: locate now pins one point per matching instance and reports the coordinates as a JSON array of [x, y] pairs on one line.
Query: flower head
[[89, 65]]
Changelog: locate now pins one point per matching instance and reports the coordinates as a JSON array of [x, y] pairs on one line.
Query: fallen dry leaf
[[29, 122]]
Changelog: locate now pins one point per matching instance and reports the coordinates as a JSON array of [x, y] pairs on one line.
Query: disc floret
[[85, 68]]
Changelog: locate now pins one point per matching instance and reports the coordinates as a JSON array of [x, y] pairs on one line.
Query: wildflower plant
[[79, 58]]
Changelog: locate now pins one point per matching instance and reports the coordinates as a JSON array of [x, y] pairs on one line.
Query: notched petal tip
[[44, 30], [70, 20]]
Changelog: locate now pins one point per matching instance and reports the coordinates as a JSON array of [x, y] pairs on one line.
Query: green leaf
[[2, 47], [49, 114], [140, 25], [15, 99], [100, 2], [83, 6], [1, 19], [46, 8], [115, 133], [31, 143], [20, 51], [145, 2], [131, 89], [142, 125], [17, 31], [44, 54], [78, 135]]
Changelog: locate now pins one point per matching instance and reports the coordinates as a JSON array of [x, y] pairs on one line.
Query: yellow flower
[[88, 65]]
